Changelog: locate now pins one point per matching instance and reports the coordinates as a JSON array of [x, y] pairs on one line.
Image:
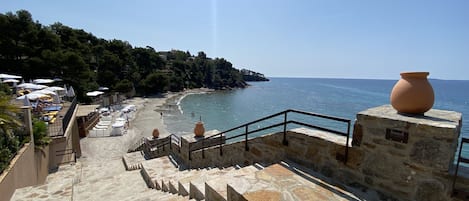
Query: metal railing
[[58, 129], [285, 122], [137, 146], [464, 194], [68, 116], [159, 145], [169, 140]]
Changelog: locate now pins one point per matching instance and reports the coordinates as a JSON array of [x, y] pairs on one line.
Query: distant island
[[251, 76], [87, 62]]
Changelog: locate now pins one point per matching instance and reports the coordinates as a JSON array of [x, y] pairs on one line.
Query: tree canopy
[[86, 62]]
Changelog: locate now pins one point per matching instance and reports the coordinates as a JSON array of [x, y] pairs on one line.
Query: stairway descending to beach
[[280, 181], [105, 180]]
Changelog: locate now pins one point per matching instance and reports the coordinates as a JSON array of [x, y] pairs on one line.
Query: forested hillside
[[86, 62]]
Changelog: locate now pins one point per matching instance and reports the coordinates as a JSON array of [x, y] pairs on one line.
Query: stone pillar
[[189, 141], [28, 121], [408, 156]]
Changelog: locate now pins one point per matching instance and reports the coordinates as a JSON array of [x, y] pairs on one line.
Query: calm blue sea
[[337, 97]]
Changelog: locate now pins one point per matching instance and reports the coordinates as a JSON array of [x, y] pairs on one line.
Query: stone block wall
[[315, 149], [407, 156], [232, 153]]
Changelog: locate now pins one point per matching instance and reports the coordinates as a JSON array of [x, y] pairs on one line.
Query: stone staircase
[[280, 181], [105, 180]]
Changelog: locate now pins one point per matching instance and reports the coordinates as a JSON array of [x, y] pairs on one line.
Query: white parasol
[[7, 76], [10, 80], [43, 81], [32, 96]]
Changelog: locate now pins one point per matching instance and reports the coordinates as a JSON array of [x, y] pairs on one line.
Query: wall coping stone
[[434, 117], [190, 137], [327, 136]]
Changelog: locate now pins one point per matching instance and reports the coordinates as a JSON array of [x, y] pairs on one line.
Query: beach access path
[[99, 173], [112, 148]]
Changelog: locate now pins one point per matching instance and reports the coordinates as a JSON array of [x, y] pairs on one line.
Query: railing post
[[457, 166], [189, 148], [285, 142], [203, 149], [347, 142], [170, 141], [246, 139], [221, 142]]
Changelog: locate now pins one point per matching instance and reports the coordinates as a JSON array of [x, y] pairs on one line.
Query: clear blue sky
[[310, 38]]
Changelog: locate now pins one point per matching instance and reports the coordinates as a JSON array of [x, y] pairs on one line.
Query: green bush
[[40, 133]]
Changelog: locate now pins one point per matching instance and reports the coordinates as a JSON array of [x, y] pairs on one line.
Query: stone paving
[[58, 186]]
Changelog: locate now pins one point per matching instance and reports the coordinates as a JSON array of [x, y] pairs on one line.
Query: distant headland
[[251, 76]]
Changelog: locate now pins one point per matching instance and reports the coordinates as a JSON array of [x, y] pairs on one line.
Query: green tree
[[8, 116], [9, 143]]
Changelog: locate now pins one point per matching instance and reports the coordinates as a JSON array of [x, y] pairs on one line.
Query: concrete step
[[197, 185], [133, 160], [216, 189], [155, 169], [284, 182]]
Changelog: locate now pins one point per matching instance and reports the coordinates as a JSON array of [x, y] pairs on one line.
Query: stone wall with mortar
[[408, 156], [415, 167]]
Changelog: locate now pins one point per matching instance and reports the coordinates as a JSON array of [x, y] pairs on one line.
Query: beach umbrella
[[44, 91], [26, 101], [103, 88], [32, 86], [55, 88], [10, 81], [71, 92], [94, 93], [7, 76], [55, 99], [32, 96], [43, 81]]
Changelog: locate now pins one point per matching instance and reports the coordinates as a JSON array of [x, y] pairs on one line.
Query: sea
[[344, 98]]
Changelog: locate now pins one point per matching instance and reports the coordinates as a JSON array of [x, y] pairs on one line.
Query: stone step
[[197, 185], [154, 170], [170, 182], [133, 160], [284, 182], [183, 181], [216, 189]]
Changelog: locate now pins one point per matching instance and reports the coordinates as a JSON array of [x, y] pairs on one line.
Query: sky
[[279, 38]]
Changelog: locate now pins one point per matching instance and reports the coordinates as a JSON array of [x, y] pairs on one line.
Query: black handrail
[[284, 124], [68, 116], [171, 139], [460, 159], [136, 145]]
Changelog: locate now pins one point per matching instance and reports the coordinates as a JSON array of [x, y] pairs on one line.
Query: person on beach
[[161, 115]]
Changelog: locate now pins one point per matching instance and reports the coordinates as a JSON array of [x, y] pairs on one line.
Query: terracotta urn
[[412, 94], [199, 129], [156, 133]]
